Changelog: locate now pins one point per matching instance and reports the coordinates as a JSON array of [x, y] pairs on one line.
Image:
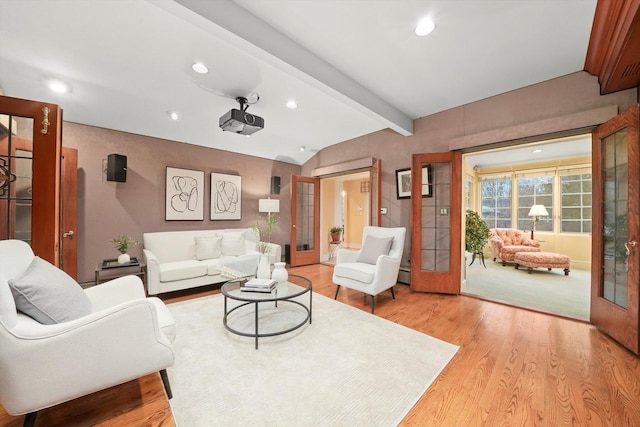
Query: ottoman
[[547, 260]]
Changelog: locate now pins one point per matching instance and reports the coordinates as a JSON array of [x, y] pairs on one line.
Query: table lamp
[[537, 211]]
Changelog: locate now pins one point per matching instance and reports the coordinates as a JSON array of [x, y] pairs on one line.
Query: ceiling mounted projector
[[239, 121]]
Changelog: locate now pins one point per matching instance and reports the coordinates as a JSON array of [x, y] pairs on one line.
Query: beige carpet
[[545, 290], [348, 368]]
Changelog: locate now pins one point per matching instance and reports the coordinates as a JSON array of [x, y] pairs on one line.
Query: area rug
[[347, 368]]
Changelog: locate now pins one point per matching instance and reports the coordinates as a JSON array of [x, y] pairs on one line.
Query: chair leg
[[372, 297], [337, 290], [165, 381], [393, 295], [30, 419]]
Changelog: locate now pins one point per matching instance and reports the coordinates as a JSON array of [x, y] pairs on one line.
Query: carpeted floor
[[347, 368], [544, 290]]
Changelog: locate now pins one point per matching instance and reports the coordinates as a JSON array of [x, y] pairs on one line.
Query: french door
[[30, 149], [305, 221], [436, 220], [616, 229]]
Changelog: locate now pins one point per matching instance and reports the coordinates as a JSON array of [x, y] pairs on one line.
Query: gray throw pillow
[[373, 247], [48, 294]]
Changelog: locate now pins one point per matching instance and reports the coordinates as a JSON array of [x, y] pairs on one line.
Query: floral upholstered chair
[[507, 242]]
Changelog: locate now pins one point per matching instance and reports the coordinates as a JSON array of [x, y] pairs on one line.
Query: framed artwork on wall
[[226, 196], [403, 182], [184, 194]]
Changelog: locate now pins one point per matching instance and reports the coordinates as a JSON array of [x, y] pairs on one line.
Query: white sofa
[[187, 259]]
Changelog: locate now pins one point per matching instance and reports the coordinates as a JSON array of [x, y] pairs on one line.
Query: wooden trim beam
[[614, 44]]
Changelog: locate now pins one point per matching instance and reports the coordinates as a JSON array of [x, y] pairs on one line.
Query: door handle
[[68, 234], [628, 246]]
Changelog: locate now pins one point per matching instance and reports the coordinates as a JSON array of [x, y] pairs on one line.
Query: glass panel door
[[16, 177], [615, 275]]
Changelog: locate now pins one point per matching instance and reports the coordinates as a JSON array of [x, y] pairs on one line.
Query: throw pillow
[[373, 247], [48, 294], [233, 243], [208, 247]]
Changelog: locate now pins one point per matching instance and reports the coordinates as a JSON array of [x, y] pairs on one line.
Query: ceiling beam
[[305, 64]]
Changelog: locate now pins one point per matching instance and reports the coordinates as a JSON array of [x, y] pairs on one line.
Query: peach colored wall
[[107, 209], [564, 96]]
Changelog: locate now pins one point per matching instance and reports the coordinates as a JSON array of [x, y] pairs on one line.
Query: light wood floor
[[514, 368]]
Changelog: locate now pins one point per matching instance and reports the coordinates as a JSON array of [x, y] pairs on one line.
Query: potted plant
[[123, 243], [335, 232], [476, 235], [266, 225]]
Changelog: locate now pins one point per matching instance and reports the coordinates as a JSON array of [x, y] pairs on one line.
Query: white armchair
[[123, 336], [375, 267]]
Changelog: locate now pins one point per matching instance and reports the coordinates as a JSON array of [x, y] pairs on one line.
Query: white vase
[[124, 259], [264, 269], [279, 273]]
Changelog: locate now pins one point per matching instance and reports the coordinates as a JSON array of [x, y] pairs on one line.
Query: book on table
[[259, 285]]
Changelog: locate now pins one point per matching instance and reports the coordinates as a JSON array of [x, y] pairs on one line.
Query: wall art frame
[[226, 196], [403, 182], [184, 195]]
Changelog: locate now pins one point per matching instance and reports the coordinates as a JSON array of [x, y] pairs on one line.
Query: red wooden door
[[616, 229]]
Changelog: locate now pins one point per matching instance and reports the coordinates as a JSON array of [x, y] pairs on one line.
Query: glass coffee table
[[266, 303]]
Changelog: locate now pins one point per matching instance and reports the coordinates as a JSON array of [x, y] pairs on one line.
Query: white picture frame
[[226, 196], [184, 195]]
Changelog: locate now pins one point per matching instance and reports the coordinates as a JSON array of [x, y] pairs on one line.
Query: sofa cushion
[[233, 243], [362, 272], [208, 247], [48, 294], [179, 270], [212, 266], [373, 247]]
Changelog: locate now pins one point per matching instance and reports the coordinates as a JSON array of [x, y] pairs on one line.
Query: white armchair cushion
[[233, 243], [208, 247], [48, 294], [373, 247], [360, 271]]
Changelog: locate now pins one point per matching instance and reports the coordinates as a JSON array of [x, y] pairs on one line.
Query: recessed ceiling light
[[302, 148], [292, 104], [174, 115], [425, 27], [537, 150], [200, 68], [58, 86]]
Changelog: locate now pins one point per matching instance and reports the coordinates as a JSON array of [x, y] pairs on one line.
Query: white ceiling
[[353, 66], [561, 148]]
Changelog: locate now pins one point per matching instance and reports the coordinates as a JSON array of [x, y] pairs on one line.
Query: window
[[535, 191], [495, 197], [576, 203]]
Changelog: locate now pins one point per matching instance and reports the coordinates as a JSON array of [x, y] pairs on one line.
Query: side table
[[110, 269], [333, 248]]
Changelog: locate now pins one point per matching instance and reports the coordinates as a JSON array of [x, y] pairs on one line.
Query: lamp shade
[[268, 205], [538, 210]]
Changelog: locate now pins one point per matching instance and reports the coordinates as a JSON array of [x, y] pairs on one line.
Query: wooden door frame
[[69, 212], [375, 198]]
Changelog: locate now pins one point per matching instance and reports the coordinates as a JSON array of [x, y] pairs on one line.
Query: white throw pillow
[[48, 294], [233, 243], [208, 247], [373, 247]]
